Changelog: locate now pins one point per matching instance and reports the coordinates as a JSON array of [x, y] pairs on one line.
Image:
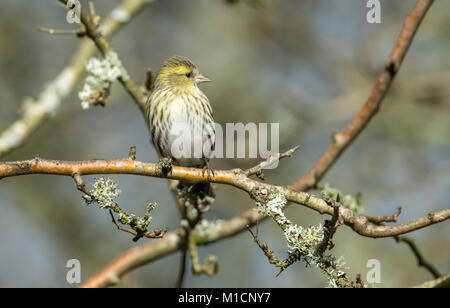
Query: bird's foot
[[208, 169]]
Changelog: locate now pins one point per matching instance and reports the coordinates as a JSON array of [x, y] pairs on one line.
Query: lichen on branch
[[102, 74], [303, 243], [104, 193]]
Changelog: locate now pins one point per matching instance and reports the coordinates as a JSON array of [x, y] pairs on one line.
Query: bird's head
[[180, 73]]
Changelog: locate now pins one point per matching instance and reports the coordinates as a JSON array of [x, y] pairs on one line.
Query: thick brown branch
[[343, 139], [360, 224]]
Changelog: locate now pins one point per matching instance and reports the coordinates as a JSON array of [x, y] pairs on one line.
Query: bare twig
[[270, 254], [211, 265], [378, 219], [257, 170], [61, 32], [182, 269], [421, 261]]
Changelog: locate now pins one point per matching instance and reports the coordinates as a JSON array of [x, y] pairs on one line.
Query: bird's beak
[[200, 78]]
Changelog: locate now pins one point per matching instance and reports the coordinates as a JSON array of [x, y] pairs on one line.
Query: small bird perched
[[177, 102]]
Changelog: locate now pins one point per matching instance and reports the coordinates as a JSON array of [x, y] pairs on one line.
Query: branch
[[60, 32], [103, 46], [182, 269], [442, 282], [105, 191], [210, 267], [421, 261], [342, 140], [135, 258], [257, 170], [358, 223], [38, 111], [379, 219], [330, 227], [270, 254], [157, 233]]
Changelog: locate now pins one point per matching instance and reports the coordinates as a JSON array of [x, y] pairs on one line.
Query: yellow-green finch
[[176, 100]]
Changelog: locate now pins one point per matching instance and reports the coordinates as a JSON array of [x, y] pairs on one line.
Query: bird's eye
[[188, 75]]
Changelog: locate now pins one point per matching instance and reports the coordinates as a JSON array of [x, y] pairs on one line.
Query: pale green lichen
[[349, 201], [105, 191], [102, 73], [140, 224], [274, 206], [303, 243], [304, 239]]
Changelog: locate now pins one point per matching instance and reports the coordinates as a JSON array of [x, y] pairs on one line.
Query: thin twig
[[58, 31], [421, 261], [343, 139], [182, 269], [49, 99], [378, 219], [270, 254], [210, 267], [119, 226], [330, 228], [257, 170], [154, 234], [104, 47]]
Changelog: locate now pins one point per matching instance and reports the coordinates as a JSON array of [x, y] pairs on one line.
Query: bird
[[180, 116]]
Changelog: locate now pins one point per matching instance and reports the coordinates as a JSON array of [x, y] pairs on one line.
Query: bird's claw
[[208, 169]]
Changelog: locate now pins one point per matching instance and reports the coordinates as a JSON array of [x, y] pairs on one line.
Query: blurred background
[[308, 65]]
